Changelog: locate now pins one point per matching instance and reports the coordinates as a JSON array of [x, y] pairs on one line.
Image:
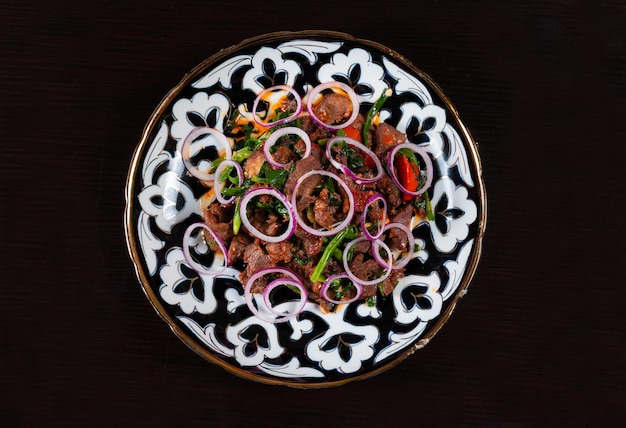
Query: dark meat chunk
[[391, 192], [256, 259], [238, 246], [398, 238], [333, 109], [386, 287], [312, 244], [360, 192], [358, 123], [302, 167], [315, 131], [366, 270], [279, 251], [385, 138], [266, 222], [253, 164], [324, 211], [220, 219], [284, 155], [362, 246]]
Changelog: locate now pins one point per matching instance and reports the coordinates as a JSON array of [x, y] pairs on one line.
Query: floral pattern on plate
[[314, 349]]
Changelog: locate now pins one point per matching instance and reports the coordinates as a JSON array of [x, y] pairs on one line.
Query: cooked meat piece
[[253, 164], [360, 192], [284, 155], [387, 286], [390, 282], [375, 212], [362, 246], [256, 259], [220, 219], [315, 131], [403, 215], [333, 109], [302, 167], [366, 270], [385, 138], [287, 104], [238, 246], [279, 251], [324, 211], [312, 244], [358, 122], [398, 238], [265, 222], [391, 192]]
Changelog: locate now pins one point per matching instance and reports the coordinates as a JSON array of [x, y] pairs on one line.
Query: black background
[[538, 341]]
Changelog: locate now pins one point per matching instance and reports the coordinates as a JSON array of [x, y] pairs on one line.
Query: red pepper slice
[[352, 132], [408, 174]]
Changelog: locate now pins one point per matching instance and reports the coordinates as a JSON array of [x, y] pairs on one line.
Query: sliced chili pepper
[[408, 173]]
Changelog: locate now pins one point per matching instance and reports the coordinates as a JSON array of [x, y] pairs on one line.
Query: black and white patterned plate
[[315, 349]]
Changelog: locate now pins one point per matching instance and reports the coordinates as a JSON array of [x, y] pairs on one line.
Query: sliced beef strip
[[387, 286], [324, 211], [303, 166], [333, 109], [365, 269], [314, 131], [398, 238], [256, 259], [284, 155], [391, 192], [238, 246], [220, 219], [265, 222], [279, 251], [385, 138], [312, 244], [360, 192]]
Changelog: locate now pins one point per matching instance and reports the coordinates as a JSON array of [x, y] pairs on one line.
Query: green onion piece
[[241, 155], [430, 215], [373, 112], [237, 217], [348, 233]]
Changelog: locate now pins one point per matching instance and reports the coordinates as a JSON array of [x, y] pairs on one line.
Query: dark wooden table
[[539, 340]]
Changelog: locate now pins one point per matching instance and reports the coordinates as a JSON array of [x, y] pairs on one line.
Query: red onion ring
[[419, 151], [381, 225], [332, 85], [348, 171], [276, 88], [282, 281], [189, 139], [326, 286], [248, 294], [190, 261], [219, 185], [340, 226], [272, 139], [386, 265], [411, 245], [259, 191]]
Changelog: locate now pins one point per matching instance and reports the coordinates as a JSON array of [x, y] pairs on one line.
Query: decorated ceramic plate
[[319, 345]]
